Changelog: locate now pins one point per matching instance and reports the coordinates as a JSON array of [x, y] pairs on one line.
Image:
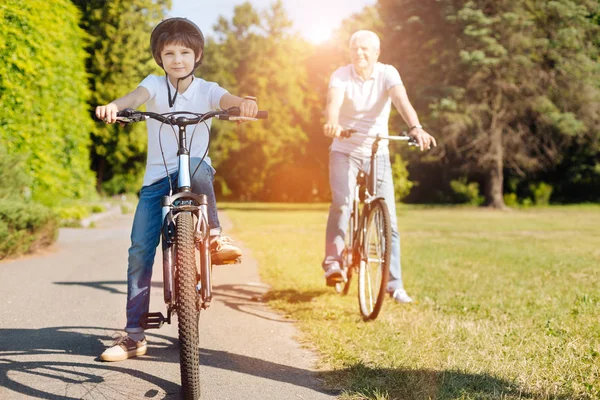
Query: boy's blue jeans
[[145, 237], [343, 170]]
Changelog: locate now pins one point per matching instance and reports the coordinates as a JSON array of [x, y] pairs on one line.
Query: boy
[[177, 47]]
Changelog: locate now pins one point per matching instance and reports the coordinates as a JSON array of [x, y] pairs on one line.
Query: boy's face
[[178, 61]]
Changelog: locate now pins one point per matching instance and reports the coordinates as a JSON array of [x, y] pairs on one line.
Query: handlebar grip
[[235, 112], [128, 112]]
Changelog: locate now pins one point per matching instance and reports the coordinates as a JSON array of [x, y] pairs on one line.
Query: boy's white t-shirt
[[366, 106], [200, 97]]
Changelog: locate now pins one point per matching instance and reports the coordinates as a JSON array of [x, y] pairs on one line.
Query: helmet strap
[[172, 100]]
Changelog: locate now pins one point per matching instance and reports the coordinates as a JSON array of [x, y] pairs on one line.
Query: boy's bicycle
[[185, 229], [368, 240]]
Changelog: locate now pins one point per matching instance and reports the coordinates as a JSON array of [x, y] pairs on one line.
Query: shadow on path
[[246, 298], [107, 285], [19, 345], [60, 379]]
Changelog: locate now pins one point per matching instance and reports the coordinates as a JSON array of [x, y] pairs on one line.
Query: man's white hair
[[369, 35]]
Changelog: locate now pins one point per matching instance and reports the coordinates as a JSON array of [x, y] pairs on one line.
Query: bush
[[402, 185], [44, 116], [511, 199], [540, 193], [465, 192], [25, 227], [71, 214], [14, 182]]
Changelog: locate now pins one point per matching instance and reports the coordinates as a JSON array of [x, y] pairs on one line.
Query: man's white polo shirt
[[200, 97], [366, 107]]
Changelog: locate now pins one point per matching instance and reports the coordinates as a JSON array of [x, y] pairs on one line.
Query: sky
[[314, 19]]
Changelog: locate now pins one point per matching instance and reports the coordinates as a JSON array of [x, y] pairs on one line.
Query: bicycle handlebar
[[130, 115], [404, 137]]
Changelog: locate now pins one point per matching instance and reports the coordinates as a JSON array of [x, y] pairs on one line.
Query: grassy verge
[[507, 303]]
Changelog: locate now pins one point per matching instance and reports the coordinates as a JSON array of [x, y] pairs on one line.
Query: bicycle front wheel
[[374, 268], [187, 310]]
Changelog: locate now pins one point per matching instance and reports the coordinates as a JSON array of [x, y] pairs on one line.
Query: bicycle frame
[[187, 286], [183, 200], [368, 182], [368, 239]]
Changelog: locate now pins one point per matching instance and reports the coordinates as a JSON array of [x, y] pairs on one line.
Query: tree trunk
[[494, 189]]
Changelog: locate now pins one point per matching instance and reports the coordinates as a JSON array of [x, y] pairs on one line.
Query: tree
[[119, 58], [255, 54], [510, 82]]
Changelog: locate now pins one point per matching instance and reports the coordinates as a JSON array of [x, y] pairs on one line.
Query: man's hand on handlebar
[[332, 130], [423, 139]]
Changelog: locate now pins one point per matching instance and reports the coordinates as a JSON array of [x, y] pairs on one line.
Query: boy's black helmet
[[179, 30]]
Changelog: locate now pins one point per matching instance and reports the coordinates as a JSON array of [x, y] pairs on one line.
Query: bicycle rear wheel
[[373, 272], [187, 310]]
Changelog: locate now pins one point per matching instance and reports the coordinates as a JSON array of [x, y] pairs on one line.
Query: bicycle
[[187, 287], [368, 240]]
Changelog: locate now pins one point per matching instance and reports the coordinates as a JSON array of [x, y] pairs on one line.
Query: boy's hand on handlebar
[[423, 139], [107, 113], [332, 130], [248, 108]]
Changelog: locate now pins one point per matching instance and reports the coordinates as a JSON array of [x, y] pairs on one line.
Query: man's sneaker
[[334, 275], [123, 348], [223, 252], [400, 296]]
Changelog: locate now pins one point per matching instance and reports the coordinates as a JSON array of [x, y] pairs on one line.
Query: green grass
[[507, 303]]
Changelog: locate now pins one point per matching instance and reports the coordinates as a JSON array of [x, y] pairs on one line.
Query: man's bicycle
[[368, 240], [185, 229]]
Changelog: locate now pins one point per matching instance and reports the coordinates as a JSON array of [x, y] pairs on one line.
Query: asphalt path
[[60, 308]]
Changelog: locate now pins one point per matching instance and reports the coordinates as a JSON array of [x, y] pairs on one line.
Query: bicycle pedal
[[334, 280], [226, 262], [153, 320]]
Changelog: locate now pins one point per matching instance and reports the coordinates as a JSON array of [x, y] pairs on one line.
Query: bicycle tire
[[374, 268], [187, 310]]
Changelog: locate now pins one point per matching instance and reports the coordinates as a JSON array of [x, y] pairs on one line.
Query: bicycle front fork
[[202, 240]]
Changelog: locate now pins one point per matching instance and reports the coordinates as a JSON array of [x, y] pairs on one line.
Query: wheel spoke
[[376, 258]]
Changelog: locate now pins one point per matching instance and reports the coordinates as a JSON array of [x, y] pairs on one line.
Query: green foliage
[[73, 213], [43, 115], [402, 184], [511, 199], [25, 227], [254, 54], [505, 85], [465, 192], [118, 46], [14, 181], [541, 193]]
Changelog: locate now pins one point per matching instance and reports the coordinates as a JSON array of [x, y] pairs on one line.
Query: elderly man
[[359, 97]]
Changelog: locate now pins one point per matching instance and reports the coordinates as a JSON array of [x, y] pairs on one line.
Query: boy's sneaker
[[123, 348], [400, 296], [334, 275], [223, 252]]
